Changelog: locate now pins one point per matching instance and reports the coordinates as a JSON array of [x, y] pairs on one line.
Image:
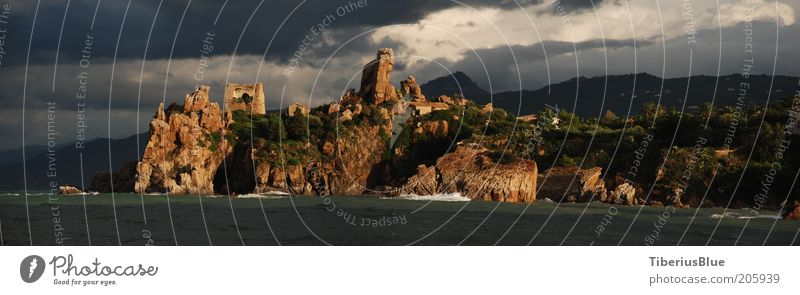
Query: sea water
[[447, 219]]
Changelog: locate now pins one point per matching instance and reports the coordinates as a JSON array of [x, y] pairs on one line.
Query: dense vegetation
[[727, 151]]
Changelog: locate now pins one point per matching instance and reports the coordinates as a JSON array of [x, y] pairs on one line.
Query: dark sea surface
[[131, 219]]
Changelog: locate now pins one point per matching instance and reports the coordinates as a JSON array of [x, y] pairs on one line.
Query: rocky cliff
[[187, 144], [572, 184], [472, 172], [340, 148], [343, 167]]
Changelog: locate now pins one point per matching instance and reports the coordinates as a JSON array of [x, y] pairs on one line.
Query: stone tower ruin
[[247, 97]]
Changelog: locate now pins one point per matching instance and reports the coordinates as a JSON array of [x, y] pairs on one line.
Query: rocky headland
[[385, 140]]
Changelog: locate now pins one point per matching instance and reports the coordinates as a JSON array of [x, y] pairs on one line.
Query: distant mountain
[[456, 83], [15, 155], [618, 90], [67, 163]]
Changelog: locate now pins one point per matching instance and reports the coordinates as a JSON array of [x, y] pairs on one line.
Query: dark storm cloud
[[195, 19], [574, 6]]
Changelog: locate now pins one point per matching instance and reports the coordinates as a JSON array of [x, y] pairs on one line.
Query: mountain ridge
[[618, 92]]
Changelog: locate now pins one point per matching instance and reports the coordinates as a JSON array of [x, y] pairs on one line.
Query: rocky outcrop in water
[[69, 190], [124, 180], [187, 144], [196, 149], [793, 213], [472, 172]]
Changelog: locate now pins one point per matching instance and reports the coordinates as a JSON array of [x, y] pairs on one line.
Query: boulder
[[446, 99], [488, 108], [409, 87], [69, 190], [350, 97], [424, 183], [347, 115], [624, 194], [435, 128], [333, 108]]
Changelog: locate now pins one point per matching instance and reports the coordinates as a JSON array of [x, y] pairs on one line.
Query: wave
[[735, 215], [268, 195], [443, 197]]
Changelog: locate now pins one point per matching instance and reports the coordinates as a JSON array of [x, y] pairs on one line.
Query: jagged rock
[[333, 108], [624, 194], [409, 87], [350, 97], [435, 128], [347, 115], [357, 109], [572, 183], [472, 172], [69, 190], [423, 183], [793, 213], [185, 148], [376, 83], [488, 108], [353, 158], [328, 148], [674, 199]]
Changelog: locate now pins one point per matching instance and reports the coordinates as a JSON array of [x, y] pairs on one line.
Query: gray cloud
[[126, 103], [170, 25]]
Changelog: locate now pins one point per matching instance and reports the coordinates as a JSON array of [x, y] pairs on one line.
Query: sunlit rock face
[[473, 173], [187, 144], [376, 83]]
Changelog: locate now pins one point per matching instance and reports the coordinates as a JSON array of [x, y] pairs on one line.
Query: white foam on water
[[735, 215], [445, 197], [548, 200], [276, 193], [269, 195], [81, 194]]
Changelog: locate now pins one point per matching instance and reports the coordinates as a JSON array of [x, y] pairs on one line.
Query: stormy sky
[[132, 55]]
